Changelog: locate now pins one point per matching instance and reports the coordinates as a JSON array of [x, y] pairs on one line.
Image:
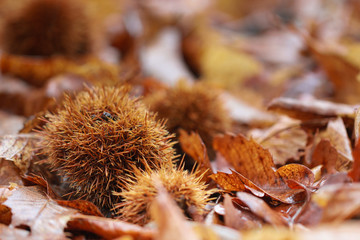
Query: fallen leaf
[[195, 147], [255, 170], [83, 206], [229, 182], [342, 73], [338, 201], [5, 215], [243, 113], [9, 173], [247, 157], [108, 228], [310, 110], [5, 212], [239, 219], [326, 155], [298, 173], [337, 135], [310, 215], [261, 209], [30, 207], [354, 173], [18, 148], [38, 180], [284, 140]]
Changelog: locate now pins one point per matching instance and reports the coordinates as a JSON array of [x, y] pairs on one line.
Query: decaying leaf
[[244, 113], [338, 201], [306, 110], [261, 209], [9, 173], [39, 180], [19, 149], [354, 173], [30, 207], [337, 135], [194, 146], [342, 73], [285, 140], [326, 155], [108, 228], [229, 182], [255, 170], [82, 206], [239, 219]]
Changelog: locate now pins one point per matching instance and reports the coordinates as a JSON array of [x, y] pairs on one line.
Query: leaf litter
[[288, 73]]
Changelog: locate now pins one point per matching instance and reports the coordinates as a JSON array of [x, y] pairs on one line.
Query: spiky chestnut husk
[[97, 139], [48, 27], [187, 189], [192, 108]]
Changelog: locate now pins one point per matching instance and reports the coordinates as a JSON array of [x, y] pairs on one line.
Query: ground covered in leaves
[[260, 99]]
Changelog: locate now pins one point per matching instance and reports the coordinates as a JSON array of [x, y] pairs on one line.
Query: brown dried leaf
[[5, 212], [326, 155], [239, 219], [247, 157], [38, 180], [5, 215], [255, 169], [31, 207], [311, 109], [261, 209], [284, 140], [337, 135], [108, 228], [237, 182], [195, 147], [229, 182], [354, 173], [19, 149], [298, 173], [83, 206], [9, 173], [342, 73], [339, 202]]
